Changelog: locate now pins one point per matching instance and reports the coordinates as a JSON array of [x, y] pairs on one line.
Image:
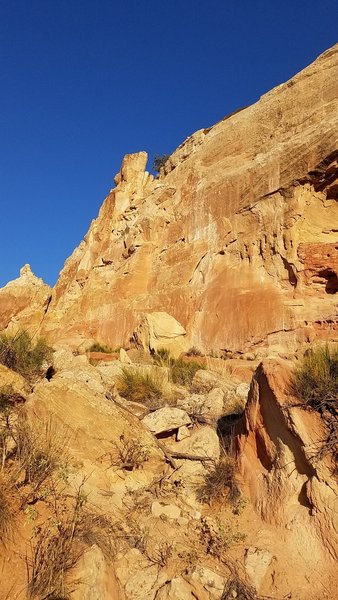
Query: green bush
[[98, 347], [20, 354], [315, 382], [138, 387]]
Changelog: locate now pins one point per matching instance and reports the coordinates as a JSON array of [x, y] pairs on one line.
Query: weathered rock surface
[[290, 487], [13, 381]]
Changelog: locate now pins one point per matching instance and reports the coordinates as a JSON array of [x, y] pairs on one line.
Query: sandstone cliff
[[237, 238]]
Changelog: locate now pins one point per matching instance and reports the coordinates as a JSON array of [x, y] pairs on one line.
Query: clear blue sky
[[85, 82]]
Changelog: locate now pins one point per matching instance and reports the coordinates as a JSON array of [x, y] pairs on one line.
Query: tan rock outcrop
[[14, 381], [23, 302], [290, 487]]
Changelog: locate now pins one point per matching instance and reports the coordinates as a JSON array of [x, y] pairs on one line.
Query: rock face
[[291, 487], [236, 239]]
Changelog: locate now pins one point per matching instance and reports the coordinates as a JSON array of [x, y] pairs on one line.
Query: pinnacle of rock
[[26, 271]]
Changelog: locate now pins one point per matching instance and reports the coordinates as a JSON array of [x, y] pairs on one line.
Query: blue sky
[[85, 82]]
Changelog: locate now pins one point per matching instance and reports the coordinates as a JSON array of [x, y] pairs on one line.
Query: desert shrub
[[98, 347], [220, 482], [159, 161], [128, 454], [235, 587], [160, 554], [183, 372], [9, 410], [20, 354], [315, 382], [139, 387], [8, 398]]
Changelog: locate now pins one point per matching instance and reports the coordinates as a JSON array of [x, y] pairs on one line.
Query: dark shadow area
[[331, 277], [226, 430], [50, 373]]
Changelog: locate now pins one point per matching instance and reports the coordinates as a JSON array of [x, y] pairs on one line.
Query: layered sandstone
[[236, 239]]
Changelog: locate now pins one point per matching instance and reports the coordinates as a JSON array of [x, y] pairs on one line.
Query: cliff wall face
[[236, 239]]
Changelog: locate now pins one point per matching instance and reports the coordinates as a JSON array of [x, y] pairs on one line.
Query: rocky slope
[[145, 531], [237, 238]]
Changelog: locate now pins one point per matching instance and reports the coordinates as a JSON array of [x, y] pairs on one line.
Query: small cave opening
[[50, 373], [331, 286]]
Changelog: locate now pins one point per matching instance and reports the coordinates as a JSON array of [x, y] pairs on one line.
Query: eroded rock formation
[[289, 480]]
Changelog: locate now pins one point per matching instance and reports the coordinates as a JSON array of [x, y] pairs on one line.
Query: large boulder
[[166, 419], [161, 330]]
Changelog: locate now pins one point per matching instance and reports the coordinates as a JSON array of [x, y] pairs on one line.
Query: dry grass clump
[[315, 382], [30, 454], [40, 450], [139, 387], [220, 482], [20, 354], [61, 541], [181, 371], [97, 529], [55, 553], [8, 507]]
